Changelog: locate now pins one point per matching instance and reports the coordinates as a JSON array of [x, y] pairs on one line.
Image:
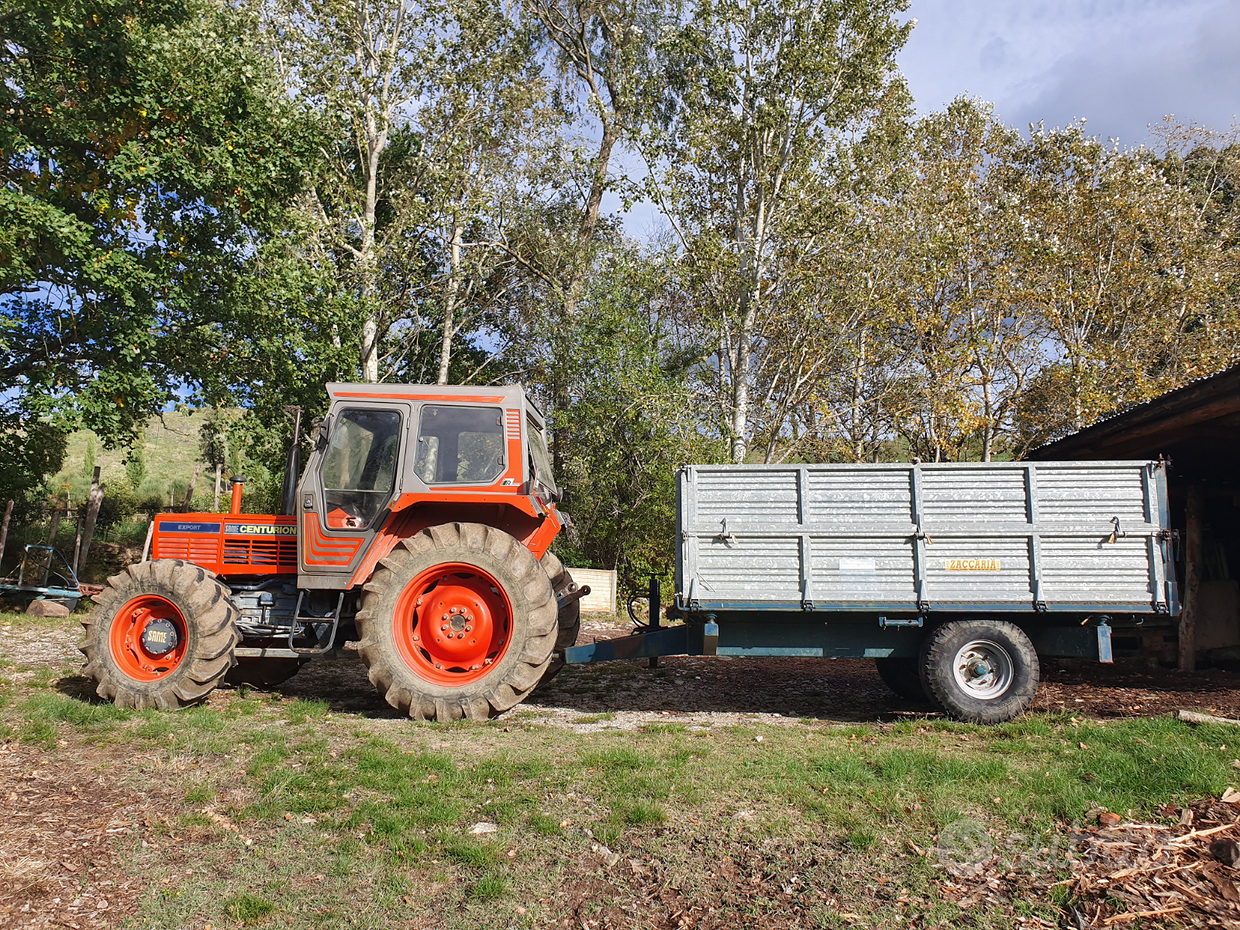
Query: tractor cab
[[389, 460]]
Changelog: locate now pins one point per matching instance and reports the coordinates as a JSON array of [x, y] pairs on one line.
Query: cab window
[[460, 445], [538, 452], [359, 469]]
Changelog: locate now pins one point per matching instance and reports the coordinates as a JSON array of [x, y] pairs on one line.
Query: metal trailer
[[953, 577]]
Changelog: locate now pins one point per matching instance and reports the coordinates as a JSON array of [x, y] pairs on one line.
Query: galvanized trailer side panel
[[1010, 536]]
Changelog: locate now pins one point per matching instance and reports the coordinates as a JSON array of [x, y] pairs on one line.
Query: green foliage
[[629, 423], [135, 461], [145, 158]]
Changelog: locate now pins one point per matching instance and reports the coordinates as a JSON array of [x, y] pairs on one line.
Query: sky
[[1120, 64]]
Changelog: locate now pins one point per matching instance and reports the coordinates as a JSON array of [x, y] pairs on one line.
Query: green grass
[[291, 816]]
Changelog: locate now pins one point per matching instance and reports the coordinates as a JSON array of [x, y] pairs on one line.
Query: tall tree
[[764, 89], [144, 158]]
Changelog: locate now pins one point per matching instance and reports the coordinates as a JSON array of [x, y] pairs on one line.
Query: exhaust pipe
[[237, 482], [292, 466]]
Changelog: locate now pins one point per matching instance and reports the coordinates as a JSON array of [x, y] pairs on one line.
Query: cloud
[[994, 54], [1121, 89]]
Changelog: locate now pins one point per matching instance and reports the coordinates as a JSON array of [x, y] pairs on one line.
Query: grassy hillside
[[171, 449]]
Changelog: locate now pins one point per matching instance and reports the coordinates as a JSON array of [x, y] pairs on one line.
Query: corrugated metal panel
[[1005, 536]]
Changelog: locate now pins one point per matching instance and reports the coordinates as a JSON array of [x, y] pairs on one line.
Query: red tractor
[[419, 529]]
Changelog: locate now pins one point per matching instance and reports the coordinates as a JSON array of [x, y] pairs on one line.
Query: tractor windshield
[[462, 445], [359, 470]]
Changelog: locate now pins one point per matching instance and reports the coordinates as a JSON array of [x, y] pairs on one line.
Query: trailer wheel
[[568, 619], [902, 677], [980, 671], [161, 635], [458, 621]]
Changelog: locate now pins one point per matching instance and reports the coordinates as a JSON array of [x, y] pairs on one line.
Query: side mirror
[[318, 435]]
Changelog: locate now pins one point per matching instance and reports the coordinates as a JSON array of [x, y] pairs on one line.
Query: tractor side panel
[[228, 544]]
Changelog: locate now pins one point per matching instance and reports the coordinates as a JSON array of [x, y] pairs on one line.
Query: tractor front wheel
[[161, 635], [458, 621]]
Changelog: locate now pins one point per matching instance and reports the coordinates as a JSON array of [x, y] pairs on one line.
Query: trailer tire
[[263, 673], [980, 671], [904, 678], [568, 618], [138, 613], [491, 641]]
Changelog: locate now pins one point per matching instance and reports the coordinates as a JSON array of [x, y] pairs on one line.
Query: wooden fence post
[[189, 495], [92, 514], [4, 529], [57, 515], [1192, 579]]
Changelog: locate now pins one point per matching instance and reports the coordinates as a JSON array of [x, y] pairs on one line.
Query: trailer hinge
[[807, 605], [885, 623], [1166, 535]]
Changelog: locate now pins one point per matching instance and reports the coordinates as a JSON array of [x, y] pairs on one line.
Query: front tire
[[161, 635], [980, 671], [458, 621]]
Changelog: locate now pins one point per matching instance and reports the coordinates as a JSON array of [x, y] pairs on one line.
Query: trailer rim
[[983, 669]]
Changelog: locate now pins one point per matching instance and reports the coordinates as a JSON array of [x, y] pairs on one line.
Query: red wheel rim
[[452, 624], [130, 653]]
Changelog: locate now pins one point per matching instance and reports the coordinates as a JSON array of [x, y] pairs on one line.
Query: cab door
[[350, 485]]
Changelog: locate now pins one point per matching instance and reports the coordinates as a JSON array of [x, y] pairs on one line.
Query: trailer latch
[[885, 623]]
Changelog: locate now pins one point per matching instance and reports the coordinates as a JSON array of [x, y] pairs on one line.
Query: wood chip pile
[[1182, 872]]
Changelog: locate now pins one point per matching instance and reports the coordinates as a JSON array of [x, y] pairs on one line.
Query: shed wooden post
[[92, 514], [1192, 579], [4, 528]]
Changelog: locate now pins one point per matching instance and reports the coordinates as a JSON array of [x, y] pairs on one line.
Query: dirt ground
[[841, 690], [62, 821]]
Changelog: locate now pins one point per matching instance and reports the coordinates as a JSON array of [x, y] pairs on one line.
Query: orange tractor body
[[419, 528]]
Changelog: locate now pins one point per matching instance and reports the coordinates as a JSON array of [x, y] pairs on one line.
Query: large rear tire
[[980, 671], [568, 619], [161, 635], [902, 677], [458, 621]]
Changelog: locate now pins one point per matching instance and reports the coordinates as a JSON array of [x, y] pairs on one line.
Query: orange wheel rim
[[148, 638], [452, 624]]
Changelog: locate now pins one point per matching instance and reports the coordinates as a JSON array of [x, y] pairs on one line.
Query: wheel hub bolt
[[438, 665], [469, 629], [980, 670], [444, 626]]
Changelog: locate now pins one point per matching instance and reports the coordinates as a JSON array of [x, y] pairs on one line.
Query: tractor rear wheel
[[161, 635], [568, 619], [903, 677], [458, 621]]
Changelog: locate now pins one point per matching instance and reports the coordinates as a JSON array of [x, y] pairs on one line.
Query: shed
[[1197, 429]]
